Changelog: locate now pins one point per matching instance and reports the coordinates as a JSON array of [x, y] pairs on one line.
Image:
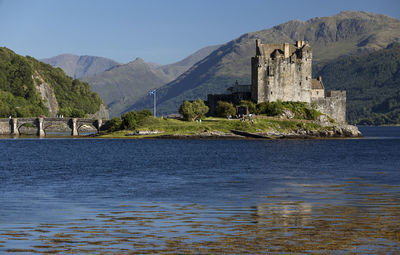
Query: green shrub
[[113, 125], [300, 110], [225, 109], [132, 120], [270, 108], [251, 106]]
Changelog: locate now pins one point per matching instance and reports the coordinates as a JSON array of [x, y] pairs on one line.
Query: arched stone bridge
[[42, 124]]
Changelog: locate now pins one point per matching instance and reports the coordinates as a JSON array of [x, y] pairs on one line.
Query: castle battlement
[[285, 50], [336, 93]]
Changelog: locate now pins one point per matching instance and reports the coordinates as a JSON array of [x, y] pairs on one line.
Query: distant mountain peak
[[139, 59], [80, 66]]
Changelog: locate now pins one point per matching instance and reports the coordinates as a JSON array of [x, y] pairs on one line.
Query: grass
[[178, 127]]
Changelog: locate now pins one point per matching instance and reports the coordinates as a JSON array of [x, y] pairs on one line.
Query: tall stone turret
[[281, 72]]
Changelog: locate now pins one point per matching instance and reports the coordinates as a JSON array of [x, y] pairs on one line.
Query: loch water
[[133, 196]]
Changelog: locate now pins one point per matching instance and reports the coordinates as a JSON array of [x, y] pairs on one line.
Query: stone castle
[[283, 72]]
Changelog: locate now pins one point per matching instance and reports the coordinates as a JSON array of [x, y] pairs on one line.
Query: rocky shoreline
[[338, 131]]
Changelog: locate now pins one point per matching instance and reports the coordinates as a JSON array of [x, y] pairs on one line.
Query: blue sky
[[162, 31]]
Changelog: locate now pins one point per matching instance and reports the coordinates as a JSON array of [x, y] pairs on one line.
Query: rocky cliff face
[[47, 94], [102, 113], [49, 99]]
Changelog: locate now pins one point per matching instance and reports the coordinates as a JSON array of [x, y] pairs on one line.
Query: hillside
[[372, 81], [80, 66], [330, 37], [123, 85], [31, 88], [178, 68]]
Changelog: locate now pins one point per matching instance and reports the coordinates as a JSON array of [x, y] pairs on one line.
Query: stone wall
[[5, 127], [334, 105], [317, 94]]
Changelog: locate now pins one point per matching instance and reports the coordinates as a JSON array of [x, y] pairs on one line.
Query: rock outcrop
[[47, 94], [102, 113]]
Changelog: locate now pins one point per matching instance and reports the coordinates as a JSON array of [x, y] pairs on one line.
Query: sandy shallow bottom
[[367, 223]]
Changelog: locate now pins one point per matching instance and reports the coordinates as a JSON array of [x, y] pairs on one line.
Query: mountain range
[[347, 33], [121, 85], [214, 69]]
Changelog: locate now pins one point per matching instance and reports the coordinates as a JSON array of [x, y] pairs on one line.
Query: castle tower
[[281, 72]]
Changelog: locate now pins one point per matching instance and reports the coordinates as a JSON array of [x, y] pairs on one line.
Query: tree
[[186, 109], [200, 109], [114, 124], [78, 113], [193, 110], [129, 120], [225, 109], [132, 120], [141, 115]]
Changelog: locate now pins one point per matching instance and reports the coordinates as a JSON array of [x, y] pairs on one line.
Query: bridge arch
[[56, 126], [27, 123], [91, 123]]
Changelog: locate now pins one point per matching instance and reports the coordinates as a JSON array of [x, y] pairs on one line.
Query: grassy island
[[213, 127], [266, 120]]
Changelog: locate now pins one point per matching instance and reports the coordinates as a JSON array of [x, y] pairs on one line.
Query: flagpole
[[155, 113], [153, 92]]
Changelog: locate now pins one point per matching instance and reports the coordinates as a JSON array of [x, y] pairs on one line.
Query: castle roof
[[274, 50], [316, 84]]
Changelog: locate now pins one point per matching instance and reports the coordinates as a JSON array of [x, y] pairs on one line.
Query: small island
[[276, 120]]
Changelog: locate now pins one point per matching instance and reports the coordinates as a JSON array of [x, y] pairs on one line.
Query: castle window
[[271, 92], [306, 78], [300, 83], [269, 71]]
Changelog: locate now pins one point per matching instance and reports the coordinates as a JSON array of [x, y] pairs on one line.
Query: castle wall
[[317, 94], [282, 75], [334, 105]]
